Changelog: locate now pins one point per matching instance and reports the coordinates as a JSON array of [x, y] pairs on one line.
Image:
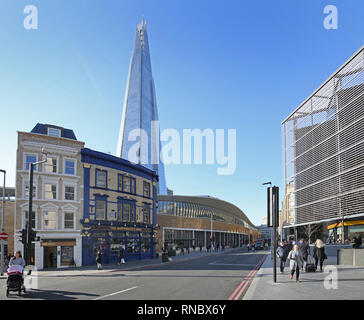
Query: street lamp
[[2, 225], [28, 248]]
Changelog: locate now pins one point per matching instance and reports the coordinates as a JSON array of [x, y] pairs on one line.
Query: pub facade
[[119, 200]]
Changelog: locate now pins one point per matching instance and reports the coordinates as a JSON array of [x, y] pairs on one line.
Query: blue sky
[[241, 65]]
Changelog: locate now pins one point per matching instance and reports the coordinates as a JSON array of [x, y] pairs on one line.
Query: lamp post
[[2, 226], [28, 248]]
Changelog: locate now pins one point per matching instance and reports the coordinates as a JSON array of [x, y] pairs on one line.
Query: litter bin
[[165, 257]]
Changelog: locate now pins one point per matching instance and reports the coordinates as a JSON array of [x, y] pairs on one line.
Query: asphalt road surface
[[219, 277]]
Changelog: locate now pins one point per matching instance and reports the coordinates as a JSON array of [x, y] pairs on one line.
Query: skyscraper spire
[[140, 107]]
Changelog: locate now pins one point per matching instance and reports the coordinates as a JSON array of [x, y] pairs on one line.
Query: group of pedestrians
[[300, 258], [99, 255]]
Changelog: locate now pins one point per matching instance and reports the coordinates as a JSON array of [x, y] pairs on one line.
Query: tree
[[309, 230]]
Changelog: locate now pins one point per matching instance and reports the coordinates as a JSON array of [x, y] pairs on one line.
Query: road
[[218, 277]]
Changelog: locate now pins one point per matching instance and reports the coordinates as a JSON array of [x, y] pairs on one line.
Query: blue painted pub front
[[119, 209]]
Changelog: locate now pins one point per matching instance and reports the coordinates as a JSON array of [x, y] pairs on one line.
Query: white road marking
[[232, 264], [115, 293]]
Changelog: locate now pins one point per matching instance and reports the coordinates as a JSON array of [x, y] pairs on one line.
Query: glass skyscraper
[[140, 111]]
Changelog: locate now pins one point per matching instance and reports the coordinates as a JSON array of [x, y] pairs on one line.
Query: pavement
[[198, 276], [313, 286]]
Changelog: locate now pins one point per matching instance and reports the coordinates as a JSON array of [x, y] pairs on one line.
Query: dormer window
[[54, 132]]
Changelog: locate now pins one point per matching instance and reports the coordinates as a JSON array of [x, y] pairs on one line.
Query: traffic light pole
[[275, 224], [272, 221], [3, 227], [28, 246]]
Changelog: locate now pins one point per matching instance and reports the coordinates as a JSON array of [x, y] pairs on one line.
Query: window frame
[[53, 135], [64, 212], [44, 191], [105, 208], [104, 171], [144, 184], [24, 210], [147, 206], [57, 165], [46, 211], [25, 154], [35, 184], [75, 166], [69, 184]]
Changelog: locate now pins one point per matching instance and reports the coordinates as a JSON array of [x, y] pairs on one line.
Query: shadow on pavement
[[55, 294]]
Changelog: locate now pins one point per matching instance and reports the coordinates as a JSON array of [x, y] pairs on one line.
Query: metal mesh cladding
[[323, 148]]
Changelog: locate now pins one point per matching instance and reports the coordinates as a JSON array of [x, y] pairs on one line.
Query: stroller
[[15, 280]]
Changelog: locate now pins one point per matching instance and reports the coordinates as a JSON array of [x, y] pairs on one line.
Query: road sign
[[4, 236]]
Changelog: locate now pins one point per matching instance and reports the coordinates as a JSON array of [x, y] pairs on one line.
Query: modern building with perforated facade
[[323, 156]]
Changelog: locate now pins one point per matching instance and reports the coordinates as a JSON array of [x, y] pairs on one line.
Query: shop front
[[58, 253], [352, 228], [138, 243]]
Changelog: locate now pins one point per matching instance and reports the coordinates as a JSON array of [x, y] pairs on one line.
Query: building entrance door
[[50, 257]]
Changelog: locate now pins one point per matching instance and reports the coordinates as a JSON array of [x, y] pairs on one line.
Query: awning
[[57, 242], [346, 223]]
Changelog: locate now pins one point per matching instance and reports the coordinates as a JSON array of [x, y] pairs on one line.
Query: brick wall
[[9, 223]]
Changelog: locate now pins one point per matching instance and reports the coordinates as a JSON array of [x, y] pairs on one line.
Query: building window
[[139, 215], [127, 211], [33, 224], [67, 256], [30, 158], [54, 132], [100, 209], [146, 189], [69, 222], [69, 193], [146, 214], [127, 184], [70, 167], [101, 176], [51, 165], [50, 220], [26, 190], [50, 191]]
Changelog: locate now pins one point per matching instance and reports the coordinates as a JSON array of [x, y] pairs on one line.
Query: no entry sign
[[4, 236]]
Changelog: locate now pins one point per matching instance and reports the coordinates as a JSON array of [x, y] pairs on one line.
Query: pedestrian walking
[[319, 253], [305, 252], [282, 254], [17, 260], [99, 260], [121, 255], [295, 262]]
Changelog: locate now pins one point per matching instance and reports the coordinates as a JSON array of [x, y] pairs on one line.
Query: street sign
[[4, 236]]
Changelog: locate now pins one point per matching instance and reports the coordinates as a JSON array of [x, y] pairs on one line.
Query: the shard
[[140, 111]]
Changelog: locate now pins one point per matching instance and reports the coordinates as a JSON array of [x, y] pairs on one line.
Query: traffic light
[[23, 236], [33, 235]]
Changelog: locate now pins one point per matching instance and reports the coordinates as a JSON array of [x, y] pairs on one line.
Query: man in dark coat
[[99, 260], [282, 254], [305, 251], [122, 255], [319, 253]]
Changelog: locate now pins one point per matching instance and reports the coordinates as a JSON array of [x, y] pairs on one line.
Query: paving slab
[[313, 286]]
